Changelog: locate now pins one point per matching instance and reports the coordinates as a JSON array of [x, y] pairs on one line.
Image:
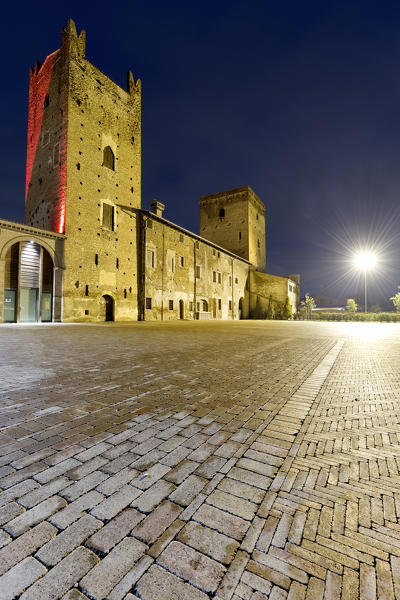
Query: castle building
[[87, 250]]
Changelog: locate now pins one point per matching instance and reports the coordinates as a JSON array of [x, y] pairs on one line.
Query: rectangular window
[[214, 251], [181, 238], [148, 303], [150, 258], [240, 235], [219, 304], [230, 280], [219, 277], [172, 264], [214, 276], [108, 216], [198, 306], [181, 261], [230, 304], [149, 224], [171, 305], [198, 272], [190, 306], [236, 280]]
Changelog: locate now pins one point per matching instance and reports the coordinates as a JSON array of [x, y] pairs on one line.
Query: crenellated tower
[[83, 174]]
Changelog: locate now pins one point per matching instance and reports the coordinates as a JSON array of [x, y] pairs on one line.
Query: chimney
[[157, 207]]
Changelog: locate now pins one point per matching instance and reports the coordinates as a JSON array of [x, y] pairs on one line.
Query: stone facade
[[83, 191]]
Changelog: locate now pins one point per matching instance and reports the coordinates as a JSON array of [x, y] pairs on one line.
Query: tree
[[396, 300], [351, 305], [287, 309], [308, 304], [271, 308]]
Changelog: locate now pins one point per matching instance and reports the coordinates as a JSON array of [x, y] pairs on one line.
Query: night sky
[[300, 100]]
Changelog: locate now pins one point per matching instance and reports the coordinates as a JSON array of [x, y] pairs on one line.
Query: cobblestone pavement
[[188, 461]]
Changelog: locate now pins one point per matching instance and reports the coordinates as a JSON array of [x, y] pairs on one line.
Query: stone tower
[[235, 220], [83, 176]]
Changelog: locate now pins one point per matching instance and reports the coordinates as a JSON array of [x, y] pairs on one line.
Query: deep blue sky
[[298, 99]]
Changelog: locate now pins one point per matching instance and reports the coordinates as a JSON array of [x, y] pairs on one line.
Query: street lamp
[[365, 261]]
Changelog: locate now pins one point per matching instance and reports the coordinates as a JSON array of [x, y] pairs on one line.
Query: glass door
[[10, 306]]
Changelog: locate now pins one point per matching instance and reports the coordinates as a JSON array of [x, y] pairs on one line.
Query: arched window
[[221, 212], [108, 158]]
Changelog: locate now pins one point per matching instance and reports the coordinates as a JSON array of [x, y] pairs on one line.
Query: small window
[[171, 305], [230, 304], [86, 290], [240, 235], [86, 312], [219, 304], [149, 224], [257, 216], [148, 303], [125, 293], [117, 263], [221, 212], [214, 252], [150, 258], [181, 238], [96, 259], [172, 264], [198, 272], [219, 254], [214, 276], [108, 216], [219, 277], [181, 261], [236, 280], [230, 280], [108, 158], [190, 306], [198, 306], [258, 243]]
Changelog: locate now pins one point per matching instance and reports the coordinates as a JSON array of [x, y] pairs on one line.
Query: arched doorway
[[108, 307], [181, 309], [28, 283], [240, 307]]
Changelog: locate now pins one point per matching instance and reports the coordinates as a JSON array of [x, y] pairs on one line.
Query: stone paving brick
[[223, 522], [188, 490], [17, 579], [82, 486], [183, 470], [130, 579], [165, 538], [112, 505], [69, 539], [99, 582], [233, 504], [93, 464], [25, 545], [147, 479], [157, 522], [63, 518], [20, 476], [249, 477], [158, 583], [9, 511], [74, 594], [114, 483], [115, 530], [242, 490], [92, 452], [153, 496], [198, 569], [29, 459], [35, 515], [58, 469], [45, 491], [232, 576], [205, 540], [63, 576], [4, 538]]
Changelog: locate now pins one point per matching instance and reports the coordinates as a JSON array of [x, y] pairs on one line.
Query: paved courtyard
[[187, 461]]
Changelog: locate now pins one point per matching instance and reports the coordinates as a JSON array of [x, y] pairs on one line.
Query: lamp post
[[365, 261]]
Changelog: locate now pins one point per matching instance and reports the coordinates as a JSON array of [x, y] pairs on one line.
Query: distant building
[[88, 251]]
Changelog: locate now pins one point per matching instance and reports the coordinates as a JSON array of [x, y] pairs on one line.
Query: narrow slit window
[[108, 158]]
